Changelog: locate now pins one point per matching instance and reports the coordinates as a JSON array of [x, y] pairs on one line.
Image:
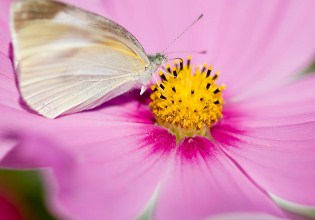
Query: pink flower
[[114, 162]]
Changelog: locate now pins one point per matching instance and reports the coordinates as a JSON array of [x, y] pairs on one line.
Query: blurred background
[[22, 196]]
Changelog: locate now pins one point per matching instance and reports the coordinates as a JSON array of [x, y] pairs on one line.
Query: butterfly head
[[158, 59]]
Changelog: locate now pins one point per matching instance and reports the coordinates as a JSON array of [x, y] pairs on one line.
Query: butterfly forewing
[[70, 60]]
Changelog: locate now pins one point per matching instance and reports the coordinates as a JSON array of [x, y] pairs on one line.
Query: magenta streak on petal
[[223, 132], [205, 182], [120, 173], [160, 141], [190, 149], [139, 111]]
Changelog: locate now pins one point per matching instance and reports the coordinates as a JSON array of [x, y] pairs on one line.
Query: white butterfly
[[69, 60]]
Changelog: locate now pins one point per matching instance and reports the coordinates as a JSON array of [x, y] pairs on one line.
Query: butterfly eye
[[146, 68]]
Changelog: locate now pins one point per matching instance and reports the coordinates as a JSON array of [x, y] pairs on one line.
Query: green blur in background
[[23, 192]]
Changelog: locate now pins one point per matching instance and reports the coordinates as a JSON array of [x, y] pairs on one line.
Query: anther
[[173, 88], [203, 69], [169, 69], [162, 87], [163, 77], [155, 89], [216, 91], [188, 62], [208, 72], [215, 76], [216, 102], [181, 65], [208, 85], [175, 73], [192, 92], [163, 97]]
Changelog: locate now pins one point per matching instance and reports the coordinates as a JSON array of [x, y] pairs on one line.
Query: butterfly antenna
[[177, 58], [187, 51], [186, 29]]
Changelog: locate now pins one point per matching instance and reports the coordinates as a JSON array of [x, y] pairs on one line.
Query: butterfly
[[69, 60]]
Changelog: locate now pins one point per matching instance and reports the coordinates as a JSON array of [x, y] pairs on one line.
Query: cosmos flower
[[130, 158]]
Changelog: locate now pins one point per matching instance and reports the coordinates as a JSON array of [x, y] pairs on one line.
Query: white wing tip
[[143, 88]]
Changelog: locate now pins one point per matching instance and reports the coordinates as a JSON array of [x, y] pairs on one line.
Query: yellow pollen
[[187, 101]]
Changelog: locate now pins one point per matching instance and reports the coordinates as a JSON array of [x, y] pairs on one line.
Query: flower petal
[[23, 147], [275, 140], [204, 182], [289, 104], [5, 37], [157, 23], [244, 216], [280, 159], [254, 44], [116, 175], [260, 48]]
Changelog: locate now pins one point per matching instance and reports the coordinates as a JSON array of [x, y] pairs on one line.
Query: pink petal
[[113, 168], [5, 38], [24, 148], [244, 216], [205, 182], [114, 162], [9, 95], [272, 138], [106, 143], [258, 45], [280, 159], [289, 104], [117, 175], [94, 6]]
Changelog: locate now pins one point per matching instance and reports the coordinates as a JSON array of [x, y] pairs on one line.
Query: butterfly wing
[[69, 60]]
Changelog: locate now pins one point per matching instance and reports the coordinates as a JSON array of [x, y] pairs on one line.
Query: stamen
[[204, 69], [208, 86], [175, 73], [162, 97], [216, 91], [163, 77], [168, 67], [209, 71], [189, 103], [188, 62]]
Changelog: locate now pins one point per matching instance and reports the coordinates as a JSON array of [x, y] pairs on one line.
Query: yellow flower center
[[187, 101]]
